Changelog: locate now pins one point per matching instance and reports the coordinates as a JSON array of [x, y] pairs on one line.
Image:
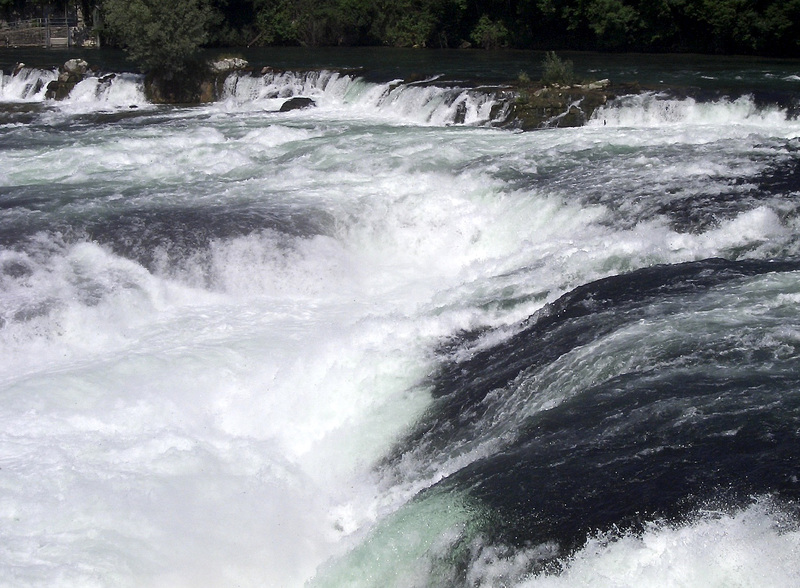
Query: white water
[[350, 95], [106, 92], [653, 110], [754, 547], [28, 85], [216, 420]]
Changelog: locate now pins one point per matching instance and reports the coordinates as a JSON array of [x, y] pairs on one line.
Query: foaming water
[[753, 547], [111, 91], [398, 101], [162, 433], [95, 93], [27, 85], [361, 345], [654, 110]]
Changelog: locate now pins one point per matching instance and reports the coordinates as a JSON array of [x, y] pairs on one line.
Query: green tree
[[780, 27], [232, 23], [313, 23], [405, 23], [615, 24], [159, 37], [732, 24], [490, 34], [556, 70], [275, 21], [354, 20]]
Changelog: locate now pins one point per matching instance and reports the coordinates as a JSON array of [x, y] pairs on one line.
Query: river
[[381, 342]]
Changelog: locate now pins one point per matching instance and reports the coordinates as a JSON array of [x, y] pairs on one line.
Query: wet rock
[[461, 114], [58, 89], [75, 66], [556, 106], [297, 103], [227, 65], [598, 85], [199, 83], [194, 85], [69, 75]]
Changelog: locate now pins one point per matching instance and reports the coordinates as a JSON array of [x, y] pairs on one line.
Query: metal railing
[[34, 23], [38, 32]]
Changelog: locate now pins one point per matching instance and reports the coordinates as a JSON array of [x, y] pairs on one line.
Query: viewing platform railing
[[38, 32]]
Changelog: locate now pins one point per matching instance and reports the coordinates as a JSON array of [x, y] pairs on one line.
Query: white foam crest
[[27, 85], [60, 301], [396, 100], [556, 262], [278, 86], [747, 234], [186, 409], [436, 105], [755, 547], [655, 110], [275, 136], [109, 92]]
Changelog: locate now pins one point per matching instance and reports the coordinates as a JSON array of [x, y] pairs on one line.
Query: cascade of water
[[654, 110], [27, 84], [240, 347], [109, 91], [405, 102]]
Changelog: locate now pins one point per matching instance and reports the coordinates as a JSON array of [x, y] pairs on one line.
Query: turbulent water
[[381, 342]]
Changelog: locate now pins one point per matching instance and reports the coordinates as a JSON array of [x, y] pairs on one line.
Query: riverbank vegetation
[[767, 27]]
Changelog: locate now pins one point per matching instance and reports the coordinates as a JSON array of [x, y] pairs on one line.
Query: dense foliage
[[160, 37], [709, 26]]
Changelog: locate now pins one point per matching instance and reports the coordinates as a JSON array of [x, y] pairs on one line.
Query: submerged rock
[[297, 103]]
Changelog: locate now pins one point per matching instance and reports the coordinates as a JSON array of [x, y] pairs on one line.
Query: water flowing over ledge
[[414, 102], [365, 344], [432, 101]]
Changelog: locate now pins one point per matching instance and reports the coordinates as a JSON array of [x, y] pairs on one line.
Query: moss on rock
[[537, 105]]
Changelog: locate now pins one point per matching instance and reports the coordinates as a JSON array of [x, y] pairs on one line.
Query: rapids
[[380, 342]]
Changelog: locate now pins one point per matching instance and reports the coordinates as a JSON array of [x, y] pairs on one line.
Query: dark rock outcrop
[[199, 83], [557, 106], [69, 74], [297, 103]]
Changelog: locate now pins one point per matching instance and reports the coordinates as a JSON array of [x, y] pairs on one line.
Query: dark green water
[[713, 73]]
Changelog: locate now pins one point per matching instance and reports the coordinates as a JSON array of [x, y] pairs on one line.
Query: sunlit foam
[[27, 85], [109, 92], [754, 547], [653, 110], [215, 417], [395, 100]]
